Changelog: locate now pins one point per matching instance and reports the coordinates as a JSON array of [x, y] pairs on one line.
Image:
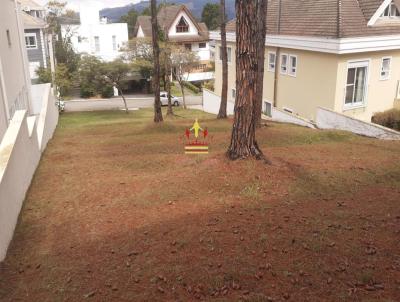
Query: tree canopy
[[211, 15], [130, 18]]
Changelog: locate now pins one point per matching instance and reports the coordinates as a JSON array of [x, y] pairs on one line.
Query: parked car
[[164, 99]]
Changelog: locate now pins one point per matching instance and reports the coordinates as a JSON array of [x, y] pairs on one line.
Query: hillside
[[196, 6]]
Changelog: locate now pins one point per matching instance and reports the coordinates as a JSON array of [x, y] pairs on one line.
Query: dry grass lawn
[[117, 212]]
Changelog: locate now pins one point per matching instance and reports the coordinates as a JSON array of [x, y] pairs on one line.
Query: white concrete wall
[[20, 150], [19, 157], [204, 54], [48, 118], [212, 102], [286, 117], [328, 119]]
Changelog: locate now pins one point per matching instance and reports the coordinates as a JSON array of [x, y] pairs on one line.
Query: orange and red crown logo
[[196, 139]]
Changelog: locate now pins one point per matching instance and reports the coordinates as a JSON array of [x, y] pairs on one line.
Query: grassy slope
[[118, 211]]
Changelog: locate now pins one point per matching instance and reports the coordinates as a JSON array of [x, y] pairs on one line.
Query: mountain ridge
[[195, 6]]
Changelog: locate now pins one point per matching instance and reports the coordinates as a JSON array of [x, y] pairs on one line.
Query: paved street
[[117, 103]]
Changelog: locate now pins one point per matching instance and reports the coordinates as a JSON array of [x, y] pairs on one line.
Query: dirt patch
[[116, 213]]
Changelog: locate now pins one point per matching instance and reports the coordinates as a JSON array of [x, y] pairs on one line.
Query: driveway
[[117, 103]]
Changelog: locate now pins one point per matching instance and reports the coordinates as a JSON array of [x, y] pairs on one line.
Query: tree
[[262, 31], [211, 15], [130, 18], [224, 55], [90, 76], [243, 140], [63, 79], [183, 62], [115, 73], [156, 54]]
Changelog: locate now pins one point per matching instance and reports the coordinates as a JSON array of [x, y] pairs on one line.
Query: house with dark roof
[[183, 29], [36, 37], [343, 55]]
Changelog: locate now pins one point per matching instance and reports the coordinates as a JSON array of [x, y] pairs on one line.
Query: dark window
[[188, 46], [202, 45], [183, 26]]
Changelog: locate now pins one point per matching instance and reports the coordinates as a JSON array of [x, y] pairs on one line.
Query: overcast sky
[[74, 4]]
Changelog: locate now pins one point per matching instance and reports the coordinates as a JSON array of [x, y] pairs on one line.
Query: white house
[[183, 29], [93, 34]]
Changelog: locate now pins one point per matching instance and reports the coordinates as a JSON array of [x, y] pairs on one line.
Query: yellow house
[[343, 55]]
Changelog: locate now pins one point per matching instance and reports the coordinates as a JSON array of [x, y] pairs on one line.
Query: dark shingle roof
[[324, 18], [165, 17]]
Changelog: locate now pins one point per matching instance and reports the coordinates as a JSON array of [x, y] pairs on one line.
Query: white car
[[164, 99]]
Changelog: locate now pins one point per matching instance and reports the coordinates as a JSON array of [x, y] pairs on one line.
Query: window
[[293, 65], [229, 51], [30, 40], [188, 46], [233, 93], [183, 26], [284, 59], [356, 85], [391, 11], [97, 43], [271, 61], [267, 109], [202, 45], [114, 42], [385, 68]]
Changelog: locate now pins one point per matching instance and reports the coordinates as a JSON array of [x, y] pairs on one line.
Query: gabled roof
[[324, 18], [32, 22], [166, 17], [32, 5]]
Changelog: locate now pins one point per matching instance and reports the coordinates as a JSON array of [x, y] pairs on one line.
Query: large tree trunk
[[262, 31], [243, 140], [156, 53], [224, 92]]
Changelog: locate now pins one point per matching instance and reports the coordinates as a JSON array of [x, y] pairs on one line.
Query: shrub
[[209, 85], [44, 75], [107, 91], [63, 80], [190, 86], [389, 118]]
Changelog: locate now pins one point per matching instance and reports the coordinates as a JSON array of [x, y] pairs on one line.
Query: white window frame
[[229, 53], [389, 8], [357, 64], [264, 105], [290, 72], [29, 35], [270, 68], [386, 77], [281, 63]]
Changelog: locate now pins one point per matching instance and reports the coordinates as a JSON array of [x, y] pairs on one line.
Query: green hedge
[[389, 118]]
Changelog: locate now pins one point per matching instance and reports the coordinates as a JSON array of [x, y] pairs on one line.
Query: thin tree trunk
[[123, 98], [243, 140], [183, 94], [224, 93], [262, 7], [156, 53], [168, 80]]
